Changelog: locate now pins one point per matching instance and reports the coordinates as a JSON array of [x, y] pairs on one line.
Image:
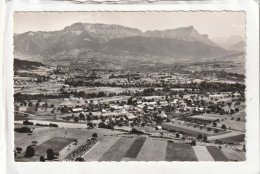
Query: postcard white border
[[250, 166]]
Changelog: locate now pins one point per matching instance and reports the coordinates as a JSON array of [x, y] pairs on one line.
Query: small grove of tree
[[82, 116], [42, 159], [199, 137], [205, 138], [50, 154], [232, 111], [29, 151], [223, 127], [79, 159], [53, 125], [103, 125], [19, 149], [26, 122], [94, 135], [90, 125], [214, 124], [193, 143], [30, 104], [135, 131], [177, 135], [23, 130], [34, 143]]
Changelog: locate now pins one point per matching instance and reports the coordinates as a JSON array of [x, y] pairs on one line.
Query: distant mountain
[[104, 32], [183, 33], [78, 35], [240, 46], [173, 48], [180, 43], [228, 42]]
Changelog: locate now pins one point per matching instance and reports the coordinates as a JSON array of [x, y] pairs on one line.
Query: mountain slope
[[173, 48], [240, 46], [180, 43], [228, 42], [183, 33]]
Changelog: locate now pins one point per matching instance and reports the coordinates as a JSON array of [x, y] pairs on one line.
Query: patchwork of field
[[111, 147], [231, 137], [217, 154], [45, 88], [44, 136], [153, 150], [202, 153], [189, 129], [234, 139], [55, 143], [106, 90], [226, 119], [179, 152], [148, 149]]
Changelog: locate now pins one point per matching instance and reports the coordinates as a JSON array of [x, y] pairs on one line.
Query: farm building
[[75, 110], [131, 116]]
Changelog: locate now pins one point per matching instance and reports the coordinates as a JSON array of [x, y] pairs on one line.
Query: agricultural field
[[55, 143], [234, 139], [106, 90], [226, 119], [180, 152], [190, 130], [216, 154], [50, 87], [115, 146], [62, 136]]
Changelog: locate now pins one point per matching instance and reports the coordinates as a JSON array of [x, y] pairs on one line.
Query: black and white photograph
[[129, 86]]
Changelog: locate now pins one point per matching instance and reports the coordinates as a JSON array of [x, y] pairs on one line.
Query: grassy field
[[49, 87], [106, 90], [188, 130], [55, 143], [226, 119], [217, 154], [152, 150], [179, 152], [117, 150], [98, 151], [233, 155], [210, 117], [236, 125], [135, 148], [234, 139], [202, 153]]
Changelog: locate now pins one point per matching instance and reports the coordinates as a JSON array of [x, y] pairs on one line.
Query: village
[[160, 105]]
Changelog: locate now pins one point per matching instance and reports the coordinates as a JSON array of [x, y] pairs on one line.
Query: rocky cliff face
[[185, 33], [185, 42], [104, 32]]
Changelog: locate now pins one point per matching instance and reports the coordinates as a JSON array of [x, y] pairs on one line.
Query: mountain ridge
[[183, 42]]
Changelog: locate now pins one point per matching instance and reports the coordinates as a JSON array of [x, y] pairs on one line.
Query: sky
[[214, 24]]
